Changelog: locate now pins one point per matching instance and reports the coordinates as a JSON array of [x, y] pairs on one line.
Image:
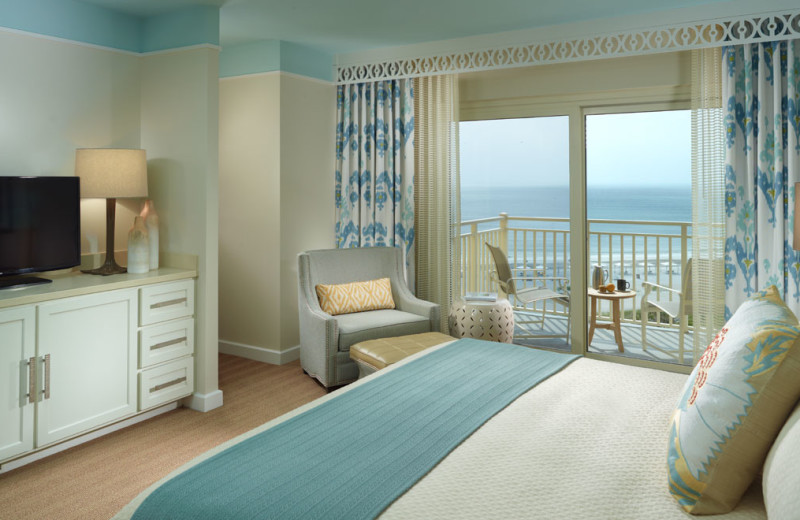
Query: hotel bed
[[588, 442]]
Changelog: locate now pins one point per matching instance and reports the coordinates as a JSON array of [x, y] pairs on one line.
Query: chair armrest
[[407, 302], [534, 278], [562, 281], [315, 324], [319, 331], [650, 287]]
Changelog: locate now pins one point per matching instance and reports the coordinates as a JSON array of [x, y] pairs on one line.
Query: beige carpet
[[94, 480]]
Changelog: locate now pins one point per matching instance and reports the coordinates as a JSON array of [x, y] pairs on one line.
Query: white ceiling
[[342, 26]]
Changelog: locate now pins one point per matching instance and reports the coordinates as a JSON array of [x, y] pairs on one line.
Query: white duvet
[[588, 443]]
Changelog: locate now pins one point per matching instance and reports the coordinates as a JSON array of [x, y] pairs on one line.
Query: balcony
[[639, 251]]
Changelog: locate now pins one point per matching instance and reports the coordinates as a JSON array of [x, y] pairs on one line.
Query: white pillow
[[781, 482]]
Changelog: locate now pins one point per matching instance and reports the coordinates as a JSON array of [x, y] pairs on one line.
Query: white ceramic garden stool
[[492, 321]]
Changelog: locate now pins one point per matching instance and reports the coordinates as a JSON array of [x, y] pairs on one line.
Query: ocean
[[665, 203], [662, 203]]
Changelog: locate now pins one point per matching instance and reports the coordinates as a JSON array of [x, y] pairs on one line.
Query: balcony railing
[[639, 251]]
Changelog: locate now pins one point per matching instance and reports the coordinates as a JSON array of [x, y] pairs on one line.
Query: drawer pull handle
[[168, 343], [167, 303], [32, 380], [46, 390], [168, 384]]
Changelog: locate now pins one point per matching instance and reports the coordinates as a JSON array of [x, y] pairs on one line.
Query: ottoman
[[375, 354]]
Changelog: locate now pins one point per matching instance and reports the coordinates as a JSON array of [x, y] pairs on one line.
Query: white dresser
[[85, 352]]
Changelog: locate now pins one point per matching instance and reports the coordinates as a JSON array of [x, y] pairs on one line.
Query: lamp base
[[110, 266], [106, 270]]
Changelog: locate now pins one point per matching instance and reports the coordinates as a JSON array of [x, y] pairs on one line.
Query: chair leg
[[644, 329], [544, 314], [682, 331]]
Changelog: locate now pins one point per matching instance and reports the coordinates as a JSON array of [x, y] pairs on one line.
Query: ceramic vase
[[138, 248], [151, 223]]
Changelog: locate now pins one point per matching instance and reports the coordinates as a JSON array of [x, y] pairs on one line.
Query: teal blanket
[[352, 456]]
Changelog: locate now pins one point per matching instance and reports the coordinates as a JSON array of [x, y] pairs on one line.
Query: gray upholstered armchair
[[324, 339]]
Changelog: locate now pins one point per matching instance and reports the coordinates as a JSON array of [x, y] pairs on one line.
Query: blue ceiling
[[342, 26]]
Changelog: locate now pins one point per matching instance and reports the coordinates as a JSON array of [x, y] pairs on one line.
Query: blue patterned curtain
[[375, 167], [761, 89]]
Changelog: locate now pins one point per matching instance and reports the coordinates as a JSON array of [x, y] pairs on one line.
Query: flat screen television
[[39, 227]]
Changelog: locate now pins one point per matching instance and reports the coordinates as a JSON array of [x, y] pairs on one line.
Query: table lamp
[[111, 174]]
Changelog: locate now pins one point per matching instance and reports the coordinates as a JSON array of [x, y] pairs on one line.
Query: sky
[[636, 149]]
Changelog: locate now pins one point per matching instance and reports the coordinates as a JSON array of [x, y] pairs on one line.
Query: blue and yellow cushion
[[733, 405]]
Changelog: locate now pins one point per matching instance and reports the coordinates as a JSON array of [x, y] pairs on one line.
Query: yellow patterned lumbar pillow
[[733, 405], [355, 297]]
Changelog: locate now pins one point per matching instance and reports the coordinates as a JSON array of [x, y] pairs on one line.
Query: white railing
[[639, 251]]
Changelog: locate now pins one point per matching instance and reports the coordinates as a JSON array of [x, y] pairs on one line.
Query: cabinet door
[[17, 346], [91, 378]]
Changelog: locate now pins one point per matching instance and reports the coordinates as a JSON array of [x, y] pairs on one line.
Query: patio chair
[[678, 307], [518, 287]]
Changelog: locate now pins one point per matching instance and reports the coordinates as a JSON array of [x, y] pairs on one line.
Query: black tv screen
[[39, 224]]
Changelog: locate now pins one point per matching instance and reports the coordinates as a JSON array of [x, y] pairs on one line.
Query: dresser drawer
[[166, 383], [166, 341], [167, 301]]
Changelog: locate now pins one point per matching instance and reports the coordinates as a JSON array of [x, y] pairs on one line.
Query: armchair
[[325, 340]]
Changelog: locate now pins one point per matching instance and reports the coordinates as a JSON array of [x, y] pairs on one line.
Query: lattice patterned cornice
[[713, 33]]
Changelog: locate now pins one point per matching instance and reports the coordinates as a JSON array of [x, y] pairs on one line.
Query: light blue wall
[[191, 26], [306, 62], [274, 55], [87, 23], [73, 21], [250, 58], [194, 25]]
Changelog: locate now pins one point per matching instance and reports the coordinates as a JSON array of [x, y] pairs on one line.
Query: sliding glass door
[[515, 196], [639, 213]]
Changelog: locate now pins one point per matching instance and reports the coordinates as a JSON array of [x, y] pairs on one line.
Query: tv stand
[[84, 354], [18, 282]]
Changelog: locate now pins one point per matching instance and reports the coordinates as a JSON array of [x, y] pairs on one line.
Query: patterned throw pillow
[[733, 405], [355, 297]]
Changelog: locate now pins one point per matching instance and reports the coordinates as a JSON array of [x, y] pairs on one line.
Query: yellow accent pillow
[[355, 297]]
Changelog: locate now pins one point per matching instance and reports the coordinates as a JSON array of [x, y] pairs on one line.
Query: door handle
[[46, 386], [31, 380]]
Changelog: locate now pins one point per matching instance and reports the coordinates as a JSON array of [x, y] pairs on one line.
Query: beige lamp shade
[[796, 242], [111, 173]]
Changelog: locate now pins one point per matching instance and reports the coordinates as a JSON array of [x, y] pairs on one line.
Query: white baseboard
[[265, 355], [50, 450], [204, 402]]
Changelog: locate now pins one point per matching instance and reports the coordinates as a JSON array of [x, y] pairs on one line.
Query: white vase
[[151, 223], [138, 248]]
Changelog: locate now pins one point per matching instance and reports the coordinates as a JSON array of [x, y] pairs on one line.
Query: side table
[[614, 298], [492, 321]]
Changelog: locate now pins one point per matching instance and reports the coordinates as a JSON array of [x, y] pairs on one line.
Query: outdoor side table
[[491, 321], [614, 297]]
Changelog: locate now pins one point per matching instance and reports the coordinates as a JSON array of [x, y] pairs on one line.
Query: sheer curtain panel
[[708, 199], [761, 92], [375, 167], [438, 194]]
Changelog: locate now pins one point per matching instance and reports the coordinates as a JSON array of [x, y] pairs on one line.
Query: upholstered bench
[[375, 354]]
